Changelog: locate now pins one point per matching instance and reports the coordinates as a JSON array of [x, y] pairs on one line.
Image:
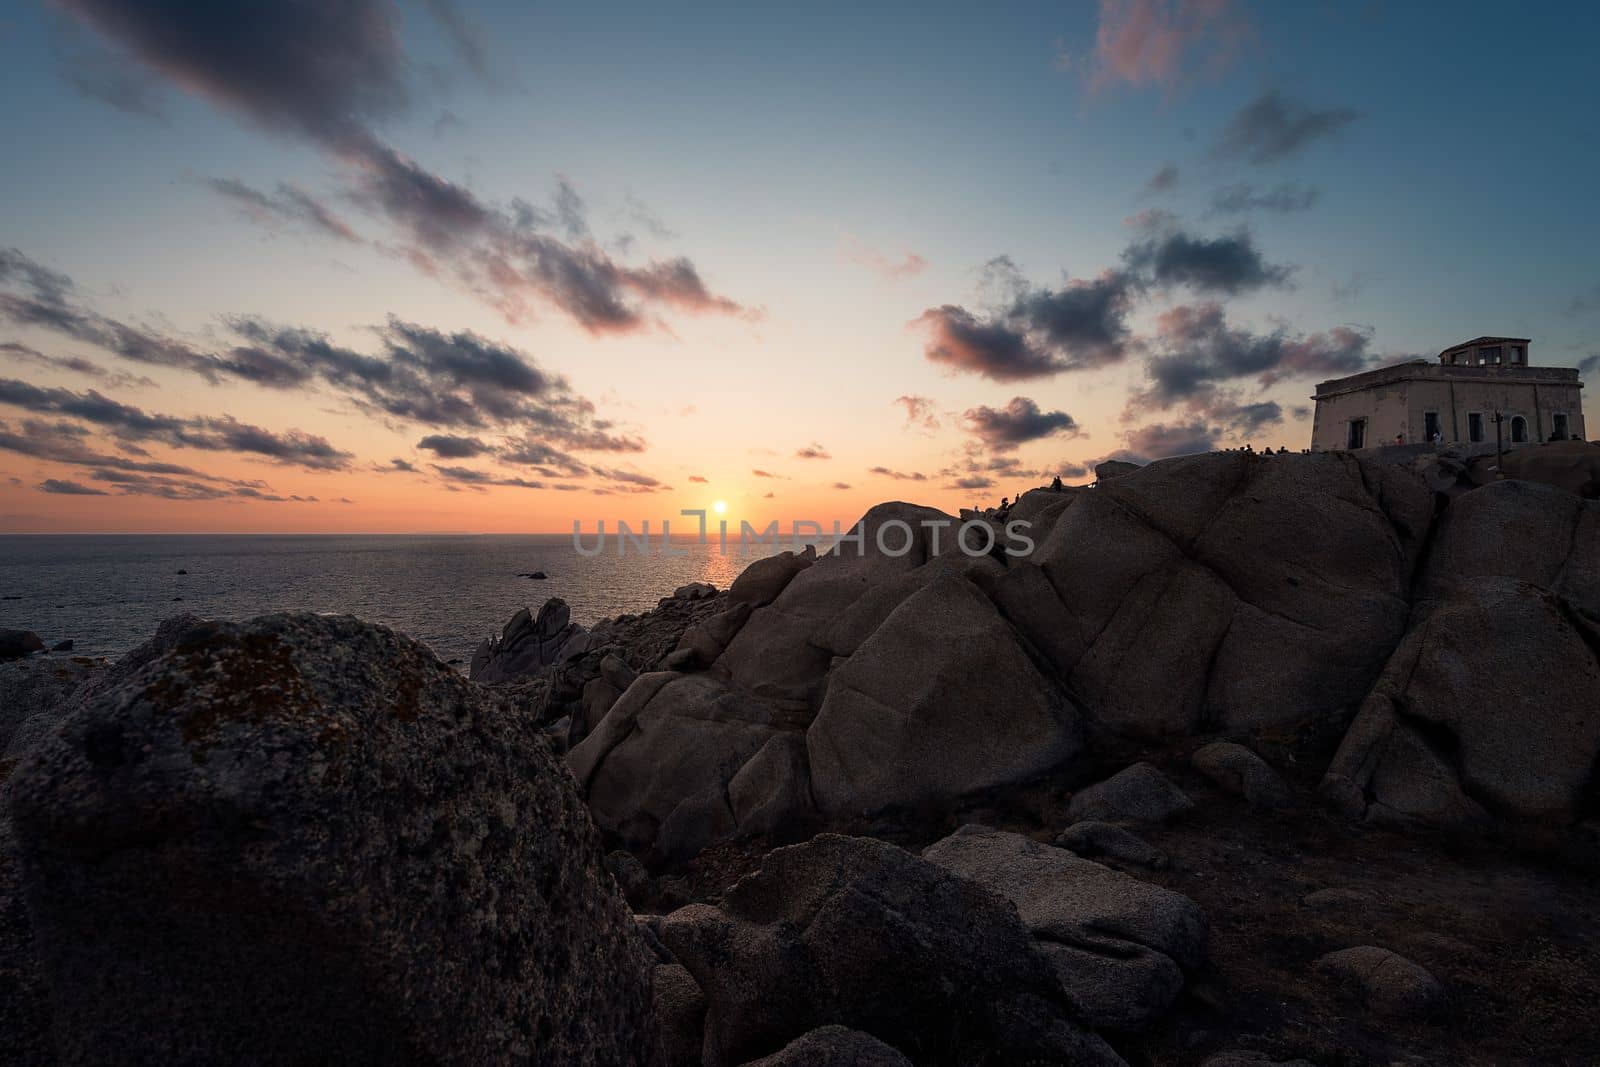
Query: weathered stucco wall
[[1398, 403]]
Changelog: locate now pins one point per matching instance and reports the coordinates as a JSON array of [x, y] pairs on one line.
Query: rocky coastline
[[1252, 759]]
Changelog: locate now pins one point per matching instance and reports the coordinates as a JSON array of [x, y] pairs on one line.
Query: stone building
[[1453, 400]]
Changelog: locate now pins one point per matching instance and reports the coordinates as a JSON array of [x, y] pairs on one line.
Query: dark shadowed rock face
[[1119, 947], [304, 839], [526, 644], [14, 644], [1490, 707], [862, 934]]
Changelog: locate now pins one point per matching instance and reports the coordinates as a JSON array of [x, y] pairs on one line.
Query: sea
[[107, 593]]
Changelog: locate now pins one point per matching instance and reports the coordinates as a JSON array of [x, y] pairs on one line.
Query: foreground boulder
[[834, 1046], [304, 838], [15, 644], [1236, 769], [1384, 981], [861, 934], [1119, 946], [1139, 793]]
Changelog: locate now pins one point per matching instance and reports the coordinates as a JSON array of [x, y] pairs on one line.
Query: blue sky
[[833, 174]]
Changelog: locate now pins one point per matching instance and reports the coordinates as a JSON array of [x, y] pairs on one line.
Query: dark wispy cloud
[[1040, 332], [470, 477], [207, 433], [1032, 332], [1016, 424], [67, 487], [921, 413], [1162, 181], [813, 451], [1241, 198], [698, 480], [1228, 264], [287, 204], [841, 485], [76, 365], [759, 473], [1273, 127], [1161, 440], [447, 446], [464, 35], [1589, 364], [332, 73], [899, 476], [1196, 350], [1585, 302]]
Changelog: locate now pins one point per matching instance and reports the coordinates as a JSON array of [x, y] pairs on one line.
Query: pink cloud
[[1150, 42]]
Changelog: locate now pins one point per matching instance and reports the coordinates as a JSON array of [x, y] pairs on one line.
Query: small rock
[[1138, 794], [182, 571], [834, 1046], [1333, 898], [682, 659], [630, 874], [62, 646], [14, 644], [694, 591], [1386, 982], [1091, 839], [1241, 772]]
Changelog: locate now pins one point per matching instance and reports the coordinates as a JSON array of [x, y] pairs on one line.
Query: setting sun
[[720, 507]]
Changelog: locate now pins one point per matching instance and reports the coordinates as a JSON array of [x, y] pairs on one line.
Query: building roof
[[1487, 341]]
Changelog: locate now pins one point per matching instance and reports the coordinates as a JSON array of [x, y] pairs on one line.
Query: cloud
[[1272, 127], [1155, 42], [1197, 350], [398, 464], [757, 472], [464, 35], [1586, 302], [1229, 264], [287, 204], [74, 365], [1016, 424], [698, 480], [208, 433], [973, 481], [1589, 364], [68, 488], [1163, 181], [909, 265], [1242, 197], [812, 451], [330, 73], [921, 413], [446, 446], [841, 485], [1161, 440], [468, 476], [1040, 332], [899, 476]]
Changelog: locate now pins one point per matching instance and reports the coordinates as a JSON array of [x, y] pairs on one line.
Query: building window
[[1519, 430], [1558, 426], [1519, 355], [1489, 357], [1430, 427], [1358, 433], [1475, 426]]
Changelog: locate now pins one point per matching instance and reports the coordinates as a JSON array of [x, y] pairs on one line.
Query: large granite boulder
[[861, 934], [1119, 947], [303, 838], [38, 688], [760, 583], [1571, 466], [1158, 596], [941, 700], [780, 652], [15, 644], [1490, 708], [658, 768], [527, 644]]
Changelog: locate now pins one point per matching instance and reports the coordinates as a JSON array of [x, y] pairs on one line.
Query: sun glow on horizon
[[720, 507]]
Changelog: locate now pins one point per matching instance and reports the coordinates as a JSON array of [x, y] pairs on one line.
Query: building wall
[[1401, 407]]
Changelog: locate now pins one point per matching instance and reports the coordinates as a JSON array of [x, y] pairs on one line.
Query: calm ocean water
[[108, 593]]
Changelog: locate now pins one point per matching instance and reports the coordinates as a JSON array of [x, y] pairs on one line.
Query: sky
[[455, 266]]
